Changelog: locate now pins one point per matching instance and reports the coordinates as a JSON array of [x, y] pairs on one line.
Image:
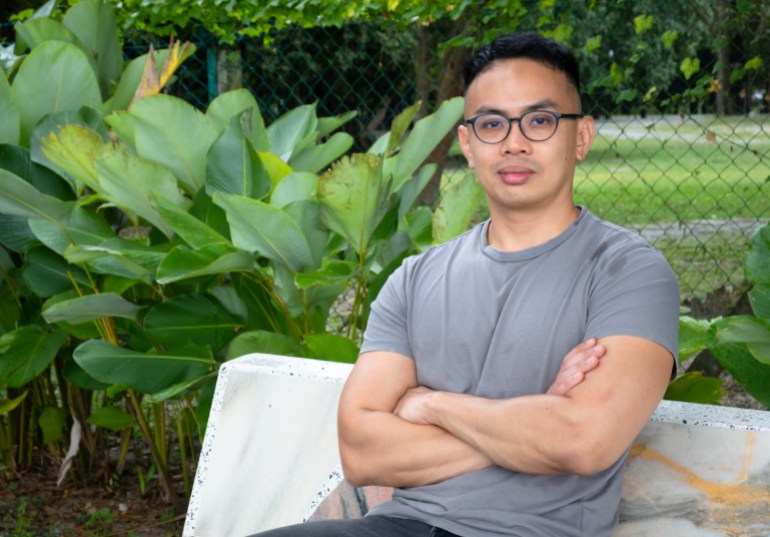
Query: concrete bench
[[270, 459]]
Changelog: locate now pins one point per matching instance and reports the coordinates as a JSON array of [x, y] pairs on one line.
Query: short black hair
[[524, 45]]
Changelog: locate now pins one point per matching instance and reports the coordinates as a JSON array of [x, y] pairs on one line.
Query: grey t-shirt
[[497, 324]]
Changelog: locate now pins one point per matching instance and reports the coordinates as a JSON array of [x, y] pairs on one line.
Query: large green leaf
[[56, 76], [233, 165], [753, 375], [10, 306], [317, 157], [89, 308], [411, 190], [758, 272], [293, 131], [112, 418], [15, 233], [258, 227], [234, 103], [52, 421], [182, 263], [693, 387], [424, 137], [212, 215], [759, 297], [389, 141], [354, 197], [38, 30], [82, 331], [758, 258], [147, 373], [18, 161], [323, 286], [7, 405], [9, 114], [261, 341], [199, 319], [81, 227], [459, 202], [118, 257], [31, 350], [331, 347], [294, 187], [123, 126], [93, 22], [85, 145], [76, 375], [307, 216], [19, 198], [186, 226], [327, 125], [72, 151], [172, 133], [752, 331], [276, 168], [693, 336], [130, 183], [48, 274]]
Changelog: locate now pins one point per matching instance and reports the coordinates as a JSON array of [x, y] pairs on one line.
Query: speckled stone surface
[[270, 458], [270, 445]]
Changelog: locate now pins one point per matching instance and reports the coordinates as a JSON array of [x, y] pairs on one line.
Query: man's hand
[[574, 366], [579, 361]]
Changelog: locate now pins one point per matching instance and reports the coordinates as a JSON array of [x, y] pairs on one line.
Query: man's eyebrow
[[538, 105]]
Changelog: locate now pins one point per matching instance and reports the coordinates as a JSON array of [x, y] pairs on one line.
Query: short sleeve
[[635, 293], [387, 327]]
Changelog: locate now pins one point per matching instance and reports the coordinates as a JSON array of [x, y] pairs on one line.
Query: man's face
[[517, 173]]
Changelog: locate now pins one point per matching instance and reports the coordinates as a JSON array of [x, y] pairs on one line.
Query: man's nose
[[515, 142]]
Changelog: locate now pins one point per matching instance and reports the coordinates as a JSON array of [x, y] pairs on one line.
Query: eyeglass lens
[[536, 125]]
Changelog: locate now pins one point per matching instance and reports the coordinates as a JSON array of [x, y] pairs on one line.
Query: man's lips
[[515, 175]]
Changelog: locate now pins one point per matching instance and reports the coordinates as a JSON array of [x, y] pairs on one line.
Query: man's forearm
[[379, 448], [541, 436], [581, 433]]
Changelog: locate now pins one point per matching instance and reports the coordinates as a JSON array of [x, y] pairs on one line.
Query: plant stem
[[163, 473], [180, 433]]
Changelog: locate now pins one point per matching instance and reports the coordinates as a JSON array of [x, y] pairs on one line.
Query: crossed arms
[[393, 432]]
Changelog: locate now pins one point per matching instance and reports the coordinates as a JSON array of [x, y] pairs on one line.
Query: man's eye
[[491, 124], [541, 120]]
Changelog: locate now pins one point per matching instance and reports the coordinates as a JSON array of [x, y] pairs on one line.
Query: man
[[453, 399]]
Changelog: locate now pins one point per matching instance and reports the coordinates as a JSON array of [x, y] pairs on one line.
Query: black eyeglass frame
[[511, 120]]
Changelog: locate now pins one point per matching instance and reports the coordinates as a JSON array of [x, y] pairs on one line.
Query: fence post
[[211, 71]]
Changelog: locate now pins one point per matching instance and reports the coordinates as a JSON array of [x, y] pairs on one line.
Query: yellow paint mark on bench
[[732, 507]]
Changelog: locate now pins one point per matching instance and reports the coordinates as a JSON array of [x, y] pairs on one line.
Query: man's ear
[[585, 136], [464, 138]]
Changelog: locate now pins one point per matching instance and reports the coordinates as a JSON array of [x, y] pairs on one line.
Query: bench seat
[[269, 458]]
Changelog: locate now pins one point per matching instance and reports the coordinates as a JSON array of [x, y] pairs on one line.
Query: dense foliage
[[145, 241]]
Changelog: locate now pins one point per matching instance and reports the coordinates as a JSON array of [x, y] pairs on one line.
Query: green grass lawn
[[670, 172]]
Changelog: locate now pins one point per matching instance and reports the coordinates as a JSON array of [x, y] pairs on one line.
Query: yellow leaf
[[149, 84]]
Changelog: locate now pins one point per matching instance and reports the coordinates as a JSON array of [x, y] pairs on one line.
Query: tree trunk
[[449, 84], [422, 67], [722, 101], [229, 70]]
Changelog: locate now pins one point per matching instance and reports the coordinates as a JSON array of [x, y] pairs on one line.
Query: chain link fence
[[695, 184]]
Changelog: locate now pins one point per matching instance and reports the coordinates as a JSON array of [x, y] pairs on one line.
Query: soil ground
[[31, 505]]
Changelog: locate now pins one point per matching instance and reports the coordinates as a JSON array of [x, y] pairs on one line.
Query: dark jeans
[[370, 526]]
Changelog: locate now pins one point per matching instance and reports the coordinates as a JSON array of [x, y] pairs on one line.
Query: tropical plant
[[144, 242], [740, 343]]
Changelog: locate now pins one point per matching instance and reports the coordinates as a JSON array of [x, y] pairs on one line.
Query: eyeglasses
[[537, 125]]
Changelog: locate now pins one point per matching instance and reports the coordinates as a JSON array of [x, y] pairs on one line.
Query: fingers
[[579, 361]]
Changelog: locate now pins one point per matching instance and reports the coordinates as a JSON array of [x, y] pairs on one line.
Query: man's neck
[[521, 230]]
